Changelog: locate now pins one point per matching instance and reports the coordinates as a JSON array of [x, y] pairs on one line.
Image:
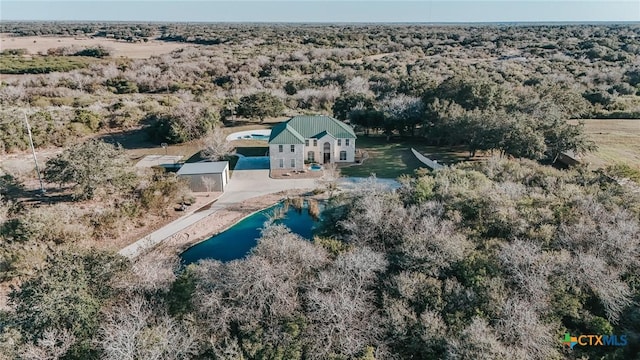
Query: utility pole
[[33, 151]]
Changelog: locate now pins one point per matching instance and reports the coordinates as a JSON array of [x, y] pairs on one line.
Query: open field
[[618, 142], [133, 50], [394, 158]]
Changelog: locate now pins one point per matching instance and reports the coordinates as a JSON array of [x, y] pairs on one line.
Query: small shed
[[206, 176]]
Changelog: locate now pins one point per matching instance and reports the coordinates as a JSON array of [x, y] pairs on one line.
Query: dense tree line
[[484, 260], [398, 80], [476, 113], [128, 32]]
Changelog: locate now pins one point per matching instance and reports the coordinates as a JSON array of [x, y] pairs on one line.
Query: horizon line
[[558, 22]]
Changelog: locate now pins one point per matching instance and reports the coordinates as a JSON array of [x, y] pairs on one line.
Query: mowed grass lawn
[[618, 141], [390, 159], [137, 144]]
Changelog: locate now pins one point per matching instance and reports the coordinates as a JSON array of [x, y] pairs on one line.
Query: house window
[[343, 155], [293, 163], [315, 142], [346, 142], [281, 163], [339, 142], [280, 148], [311, 156], [306, 142], [293, 148]]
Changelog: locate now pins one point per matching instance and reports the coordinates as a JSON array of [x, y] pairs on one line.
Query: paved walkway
[[243, 185]]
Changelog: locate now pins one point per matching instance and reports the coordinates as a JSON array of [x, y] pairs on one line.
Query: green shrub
[[68, 293], [121, 86], [181, 126], [260, 105], [335, 247], [97, 52], [91, 167], [45, 131], [623, 171], [126, 117], [53, 224], [15, 52], [163, 191], [88, 118], [11, 64], [181, 293]]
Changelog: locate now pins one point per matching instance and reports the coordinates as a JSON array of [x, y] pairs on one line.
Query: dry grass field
[[138, 50], [618, 142]]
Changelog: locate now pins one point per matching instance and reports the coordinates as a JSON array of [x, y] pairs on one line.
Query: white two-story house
[[315, 139]]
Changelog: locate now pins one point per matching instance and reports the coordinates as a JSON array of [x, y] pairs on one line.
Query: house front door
[[326, 150]]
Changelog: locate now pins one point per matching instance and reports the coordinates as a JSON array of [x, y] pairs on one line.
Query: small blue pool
[[238, 240], [315, 167]]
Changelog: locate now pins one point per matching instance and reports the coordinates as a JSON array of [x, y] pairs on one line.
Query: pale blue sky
[[324, 11]]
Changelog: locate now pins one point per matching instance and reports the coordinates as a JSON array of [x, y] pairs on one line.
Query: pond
[[236, 242]]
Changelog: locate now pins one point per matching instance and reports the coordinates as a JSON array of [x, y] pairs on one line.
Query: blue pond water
[[237, 241]]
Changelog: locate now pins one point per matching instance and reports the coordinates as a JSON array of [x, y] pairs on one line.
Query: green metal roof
[[284, 134], [318, 136], [299, 128]]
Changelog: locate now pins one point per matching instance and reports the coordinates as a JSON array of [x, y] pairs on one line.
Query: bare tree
[[605, 281], [134, 331], [405, 112], [433, 328], [528, 336], [604, 243], [477, 341], [340, 305], [151, 272], [53, 345], [430, 243], [209, 183], [279, 245], [529, 269], [216, 146], [329, 179], [258, 293], [357, 85], [375, 219]]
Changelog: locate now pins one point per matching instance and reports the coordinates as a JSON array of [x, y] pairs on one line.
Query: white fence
[[432, 164]]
